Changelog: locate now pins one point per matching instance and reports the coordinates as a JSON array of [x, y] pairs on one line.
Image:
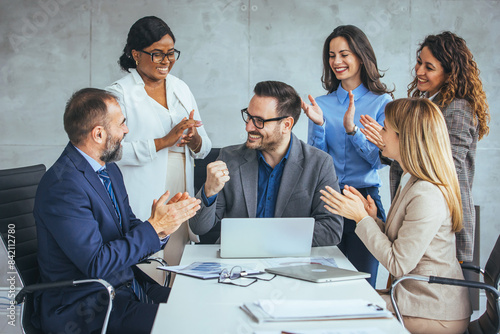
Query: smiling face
[[430, 73], [391, 141], [345, 64], [116, 130], [270, 137], [150, 71]]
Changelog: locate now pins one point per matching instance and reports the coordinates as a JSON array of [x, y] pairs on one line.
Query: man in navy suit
[[86, 228]]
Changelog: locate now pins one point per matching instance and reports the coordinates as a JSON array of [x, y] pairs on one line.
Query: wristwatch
[[353, 132]]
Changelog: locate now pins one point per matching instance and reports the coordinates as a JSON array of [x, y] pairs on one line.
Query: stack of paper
[[301, 310]]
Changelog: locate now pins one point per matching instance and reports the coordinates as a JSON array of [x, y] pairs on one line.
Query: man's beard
[[113, 151], [270, 144]]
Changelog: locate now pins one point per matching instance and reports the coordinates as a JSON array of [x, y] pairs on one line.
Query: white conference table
[[206, 306]]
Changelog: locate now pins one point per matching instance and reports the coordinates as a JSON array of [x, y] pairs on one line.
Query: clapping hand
[[166, 217], [191, 138], [349, 125], [372, 131], [313, 111], [349, 205]]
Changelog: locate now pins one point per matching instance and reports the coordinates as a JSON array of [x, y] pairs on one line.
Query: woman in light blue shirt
[[352, 79]]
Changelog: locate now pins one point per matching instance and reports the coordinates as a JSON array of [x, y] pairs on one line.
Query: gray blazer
[[418, 239], [463, 138], [306, 171]]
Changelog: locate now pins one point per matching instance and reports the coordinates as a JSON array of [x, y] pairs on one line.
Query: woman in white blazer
[[419, 235], [166, 133]]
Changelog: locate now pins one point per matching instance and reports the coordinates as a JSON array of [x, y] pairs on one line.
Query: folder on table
[[303, 310]]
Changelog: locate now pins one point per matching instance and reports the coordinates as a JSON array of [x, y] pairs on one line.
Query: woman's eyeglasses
[[239, 277], [158, 57]]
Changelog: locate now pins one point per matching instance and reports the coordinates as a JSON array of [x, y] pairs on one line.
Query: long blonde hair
[[424, 146]]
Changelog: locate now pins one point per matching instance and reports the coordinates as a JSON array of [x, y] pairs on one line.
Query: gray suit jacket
[[306, 171], [418, 239], [463, 138]]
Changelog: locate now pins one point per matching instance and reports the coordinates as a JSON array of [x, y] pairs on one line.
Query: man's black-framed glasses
[[157, 57], [237, 276], [258, 121]]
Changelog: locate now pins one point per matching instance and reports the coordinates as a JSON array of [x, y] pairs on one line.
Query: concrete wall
[[50, 48]]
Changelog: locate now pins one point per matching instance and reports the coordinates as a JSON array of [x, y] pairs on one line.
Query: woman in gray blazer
[[419, 235], [447, 74]]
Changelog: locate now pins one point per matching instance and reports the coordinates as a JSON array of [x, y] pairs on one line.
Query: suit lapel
[[120, 196], [83, 166], [291, 173], [249, 173], [400, 194]]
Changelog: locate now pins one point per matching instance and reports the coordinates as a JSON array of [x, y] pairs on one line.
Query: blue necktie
[[103, 174], [136, 287]]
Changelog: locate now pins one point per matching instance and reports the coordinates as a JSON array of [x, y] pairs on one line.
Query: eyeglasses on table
[[239, 277]]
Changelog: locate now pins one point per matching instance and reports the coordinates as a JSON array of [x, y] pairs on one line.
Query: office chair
[[489, 321], [17, 227], [200, 176]]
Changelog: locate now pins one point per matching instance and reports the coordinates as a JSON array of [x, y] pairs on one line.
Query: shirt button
[[269, 198]]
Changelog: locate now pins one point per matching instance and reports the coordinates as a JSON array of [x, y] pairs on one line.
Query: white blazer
[[144, 169]]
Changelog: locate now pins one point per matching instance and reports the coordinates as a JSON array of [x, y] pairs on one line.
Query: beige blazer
[[418, 239]]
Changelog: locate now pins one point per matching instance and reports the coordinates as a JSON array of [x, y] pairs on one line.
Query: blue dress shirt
[[269, 184], [356, 159]]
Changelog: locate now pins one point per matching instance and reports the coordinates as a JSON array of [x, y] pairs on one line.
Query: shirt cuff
[[208, 201], [164, 240]]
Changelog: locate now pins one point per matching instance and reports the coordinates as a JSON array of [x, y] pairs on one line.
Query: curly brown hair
[[463, 76]]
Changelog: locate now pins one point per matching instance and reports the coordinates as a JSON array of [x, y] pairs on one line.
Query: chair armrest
[[440, 280], [465, 283], [161, 262], [156, 259], [53, 285], [472, 267]]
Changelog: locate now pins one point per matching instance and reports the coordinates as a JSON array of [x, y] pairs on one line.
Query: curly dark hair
[[142, 34], [361, 47], [463, 76]]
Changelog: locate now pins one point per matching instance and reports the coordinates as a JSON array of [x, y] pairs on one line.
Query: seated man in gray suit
[[274, 174]]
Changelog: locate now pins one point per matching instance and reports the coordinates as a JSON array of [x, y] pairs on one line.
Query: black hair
[[143, 33]]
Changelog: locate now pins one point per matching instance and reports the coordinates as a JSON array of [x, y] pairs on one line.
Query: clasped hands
[[191, 138], [351, 205], [166, 217]]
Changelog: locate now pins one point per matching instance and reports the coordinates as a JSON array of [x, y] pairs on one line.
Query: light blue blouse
[[356, 159]]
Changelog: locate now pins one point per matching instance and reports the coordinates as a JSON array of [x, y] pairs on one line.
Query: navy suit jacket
[[79, 237]]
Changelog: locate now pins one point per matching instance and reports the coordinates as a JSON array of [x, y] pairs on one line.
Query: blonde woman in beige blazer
[[419, 235]]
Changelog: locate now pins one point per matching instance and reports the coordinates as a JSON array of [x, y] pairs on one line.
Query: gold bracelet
[[197, 147]]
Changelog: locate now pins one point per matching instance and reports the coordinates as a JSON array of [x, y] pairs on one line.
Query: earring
[[136, 63]]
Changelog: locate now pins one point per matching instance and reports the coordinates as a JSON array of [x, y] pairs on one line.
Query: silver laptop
[[266, 237], [318, 273]]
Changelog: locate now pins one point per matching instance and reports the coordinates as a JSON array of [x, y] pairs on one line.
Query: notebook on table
[[266, 237], [318, 273]]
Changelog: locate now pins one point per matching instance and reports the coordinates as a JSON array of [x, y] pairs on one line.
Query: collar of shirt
[[137, 77], [358, 92], [263, 160], [432, 97], [269, 181], [93, 163]]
